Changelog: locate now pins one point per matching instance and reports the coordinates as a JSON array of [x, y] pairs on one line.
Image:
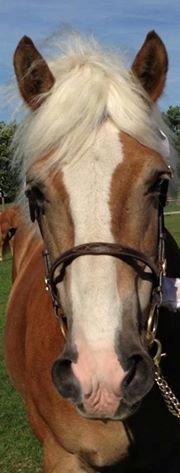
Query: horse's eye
[[156, 187], [36, 202], [159, 190], [34, 194], [159, 186]]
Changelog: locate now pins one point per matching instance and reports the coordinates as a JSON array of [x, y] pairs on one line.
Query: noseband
[[129, 255]]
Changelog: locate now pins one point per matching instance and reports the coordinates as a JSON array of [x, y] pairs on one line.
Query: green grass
[[173, 221], [171, 206], [173, 225], [19, 450]]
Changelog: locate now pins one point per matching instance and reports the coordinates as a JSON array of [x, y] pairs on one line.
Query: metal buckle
[[157, 357], [163, 267], [62, 321]]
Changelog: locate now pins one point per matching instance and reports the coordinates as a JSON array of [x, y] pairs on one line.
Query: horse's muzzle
[[138, 381]]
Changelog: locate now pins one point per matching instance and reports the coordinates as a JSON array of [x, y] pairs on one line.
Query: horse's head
[[95, 169]]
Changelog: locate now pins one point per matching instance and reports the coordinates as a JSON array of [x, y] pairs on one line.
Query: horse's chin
[[124, 412]]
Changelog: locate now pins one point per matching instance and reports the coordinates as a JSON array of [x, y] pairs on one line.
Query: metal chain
[[170, 399]]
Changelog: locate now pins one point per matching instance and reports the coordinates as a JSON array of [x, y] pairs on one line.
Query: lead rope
[[170, 399]]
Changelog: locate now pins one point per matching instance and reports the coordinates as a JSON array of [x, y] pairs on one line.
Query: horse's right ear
[[33, 74]]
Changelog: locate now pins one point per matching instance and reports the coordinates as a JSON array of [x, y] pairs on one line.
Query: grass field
[[19, 450]]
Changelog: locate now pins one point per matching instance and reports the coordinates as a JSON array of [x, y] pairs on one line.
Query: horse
[[96, 180], [8, 223]]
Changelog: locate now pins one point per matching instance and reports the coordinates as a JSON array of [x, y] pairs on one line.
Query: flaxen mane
[[91, 86]]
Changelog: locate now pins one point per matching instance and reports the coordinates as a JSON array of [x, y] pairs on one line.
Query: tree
[[9, 180], [172, 118]]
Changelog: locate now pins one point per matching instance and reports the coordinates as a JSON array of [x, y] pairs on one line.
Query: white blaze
[[94, 294]]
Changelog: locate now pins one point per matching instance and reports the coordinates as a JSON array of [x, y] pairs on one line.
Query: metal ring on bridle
[[152, 323]]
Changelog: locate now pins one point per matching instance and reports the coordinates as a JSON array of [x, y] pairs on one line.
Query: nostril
[[61, 371], [139, 379], [61, 368], [64, 379], [133, 363]]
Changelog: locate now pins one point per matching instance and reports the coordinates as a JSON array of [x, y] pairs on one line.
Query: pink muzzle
[[100, 376]]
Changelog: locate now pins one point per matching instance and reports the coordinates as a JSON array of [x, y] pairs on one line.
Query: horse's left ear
[[151, 65], [33, 74]]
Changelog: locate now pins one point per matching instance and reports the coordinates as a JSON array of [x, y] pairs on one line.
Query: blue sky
[[119, 23]]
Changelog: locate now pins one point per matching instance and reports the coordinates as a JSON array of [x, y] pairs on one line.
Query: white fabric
[[171, 293]]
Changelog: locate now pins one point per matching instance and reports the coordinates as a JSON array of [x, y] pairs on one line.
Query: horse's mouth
[[123, 412]]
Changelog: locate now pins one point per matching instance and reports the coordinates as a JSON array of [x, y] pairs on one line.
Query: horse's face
[[110, 195]]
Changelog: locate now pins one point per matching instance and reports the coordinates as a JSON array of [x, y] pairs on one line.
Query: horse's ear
[[33, 74], [151, 65]]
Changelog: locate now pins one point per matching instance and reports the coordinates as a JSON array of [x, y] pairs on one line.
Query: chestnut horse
[[8, 224], [94, 162]]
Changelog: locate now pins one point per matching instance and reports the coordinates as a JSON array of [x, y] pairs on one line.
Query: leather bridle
[[129, 255], [55, 272]]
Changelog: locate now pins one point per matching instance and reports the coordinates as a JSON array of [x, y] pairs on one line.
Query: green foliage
[[9, 180], [172, 118]]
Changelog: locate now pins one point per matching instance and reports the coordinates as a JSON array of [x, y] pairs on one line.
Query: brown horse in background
[[94, 175], [8, 223], [15, 233]]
